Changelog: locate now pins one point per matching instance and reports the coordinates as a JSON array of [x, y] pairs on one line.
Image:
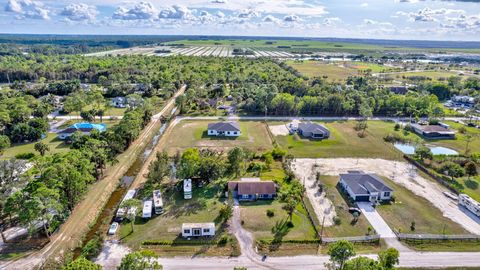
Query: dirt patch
[[111, 254], [280, 130], [399, 172]]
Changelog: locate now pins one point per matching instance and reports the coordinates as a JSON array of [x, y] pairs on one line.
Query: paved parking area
[[377, 222]]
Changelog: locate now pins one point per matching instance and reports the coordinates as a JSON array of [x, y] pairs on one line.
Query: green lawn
[[193, 134], [447, 246], [108, 112], [331, 71], [343, 142], [409, 207], [347, 227], [263, 227], [56, 146]]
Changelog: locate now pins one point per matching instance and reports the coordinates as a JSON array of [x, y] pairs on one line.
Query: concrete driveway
[[377, 222]]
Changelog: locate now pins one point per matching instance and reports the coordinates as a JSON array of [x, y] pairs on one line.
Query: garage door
[[365, 198]]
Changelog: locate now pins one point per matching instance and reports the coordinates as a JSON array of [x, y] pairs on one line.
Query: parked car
[[113, 228]]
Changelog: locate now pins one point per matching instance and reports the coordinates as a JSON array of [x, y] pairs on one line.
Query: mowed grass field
[[56, 146], [254, 216], [187, 134], [343, 142]]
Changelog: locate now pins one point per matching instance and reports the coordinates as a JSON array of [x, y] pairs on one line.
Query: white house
[[119, 102], [229, 129], [469, 203], [363, 187], [198, 229], [187, 189]]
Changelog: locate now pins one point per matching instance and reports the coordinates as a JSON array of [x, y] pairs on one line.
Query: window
[[228, 132], [386, 194], [206, 230], [186, 231]]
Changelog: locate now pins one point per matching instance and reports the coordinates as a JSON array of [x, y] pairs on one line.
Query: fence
[[311, 215], [355, 239], [436, 237]]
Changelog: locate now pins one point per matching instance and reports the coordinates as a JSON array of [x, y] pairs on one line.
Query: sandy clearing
[[401, 173], [280, 130], [111, 254]]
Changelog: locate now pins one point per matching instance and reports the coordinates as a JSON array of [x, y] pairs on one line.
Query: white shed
[[198, 229]]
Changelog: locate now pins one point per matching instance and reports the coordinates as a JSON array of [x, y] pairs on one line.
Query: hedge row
[[180, 242], [300, 241]]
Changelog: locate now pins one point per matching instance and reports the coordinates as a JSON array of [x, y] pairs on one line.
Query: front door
[[197, 232]]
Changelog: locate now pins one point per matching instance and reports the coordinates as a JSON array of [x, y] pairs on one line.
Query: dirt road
[[71, 232]]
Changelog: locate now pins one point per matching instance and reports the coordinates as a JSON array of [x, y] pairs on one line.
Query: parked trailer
[[187, 189], [123, 210], [469, 203], [147, 209], [157, 202]]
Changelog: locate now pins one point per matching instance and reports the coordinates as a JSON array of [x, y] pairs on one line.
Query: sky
[[386, 19]]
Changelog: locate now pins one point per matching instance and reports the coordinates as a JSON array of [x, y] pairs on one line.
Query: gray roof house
[[251, 190], [440, 131], [229, 129], [313, 130], [363, 187]]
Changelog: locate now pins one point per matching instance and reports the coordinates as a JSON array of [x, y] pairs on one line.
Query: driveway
[[377, 222]]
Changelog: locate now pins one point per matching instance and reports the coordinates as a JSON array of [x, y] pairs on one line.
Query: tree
[[437, 112], [291, 196], [47, 205], [361, 263], [423, 152], [42, 148], [4, 143], [235, 160], [82, 264], [140, 260], [160, 168], [189, 163], [226, 211], [133, 207], [340, 252], [471, 168], [388, 258], [365, 112], [468, 139]]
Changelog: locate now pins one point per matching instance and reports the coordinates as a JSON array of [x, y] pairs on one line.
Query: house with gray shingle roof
[[230, 129], [313, 130], [252, 189], [363, 187]]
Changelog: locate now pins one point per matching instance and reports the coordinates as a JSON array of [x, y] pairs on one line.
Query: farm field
[[434, 75], [254, 136], [55, 145], [343, 142]]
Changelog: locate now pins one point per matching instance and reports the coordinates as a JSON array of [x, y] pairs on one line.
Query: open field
[[408, 208], [56, 146], [109, 111], [343, 142], [267, 228], [193, 134]]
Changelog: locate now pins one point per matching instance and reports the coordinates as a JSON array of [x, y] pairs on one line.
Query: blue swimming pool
[[436, 150]]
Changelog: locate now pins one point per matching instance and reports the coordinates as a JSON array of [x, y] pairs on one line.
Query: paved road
[[377, 222]]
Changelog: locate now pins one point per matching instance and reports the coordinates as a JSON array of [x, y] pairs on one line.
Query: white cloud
[[248, 13], [331, 21], [79, 12], [270, 19], [27, 9], [140, 11], [429, 15], [291, 18], [364, 5], [219, 1], [176, 12]]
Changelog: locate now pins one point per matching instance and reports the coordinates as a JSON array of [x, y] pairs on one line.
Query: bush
[[397, 127], [337, 221], [453, 169], [223, 240], [462, 130], [25, 156], [278, 153], [471, 184], [270, 213], [92, 248], [290, 224]]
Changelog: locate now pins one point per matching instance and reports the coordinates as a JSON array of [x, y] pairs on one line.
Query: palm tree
[[133, 207], [42, 148]]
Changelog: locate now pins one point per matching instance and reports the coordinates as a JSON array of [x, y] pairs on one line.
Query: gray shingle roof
[[224, 126], [256, 187], [362, 183], [313, 128]]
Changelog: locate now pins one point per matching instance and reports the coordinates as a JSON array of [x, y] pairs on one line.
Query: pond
[[436, 150]]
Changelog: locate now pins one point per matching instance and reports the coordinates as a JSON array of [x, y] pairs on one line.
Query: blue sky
[[395, 19]]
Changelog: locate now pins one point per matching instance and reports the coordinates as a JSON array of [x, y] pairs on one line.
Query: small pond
[[436, 150]]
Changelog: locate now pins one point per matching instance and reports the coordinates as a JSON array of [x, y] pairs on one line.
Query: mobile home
[[123, 210], [187, 189], [147, 209], [157, 202], [198, 229], [469, 203]]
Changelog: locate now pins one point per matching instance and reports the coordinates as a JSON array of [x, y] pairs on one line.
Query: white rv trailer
[[198, 229], [147, 209], [157, 202], [469, 203], [123, 210], [187, 189]]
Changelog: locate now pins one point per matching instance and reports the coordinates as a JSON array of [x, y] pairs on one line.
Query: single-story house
[[363, 187], [230, 129], [399, 90], [251, 190], [119, 102], [313, 130], [198, 229], [85, 128], [434, 131]]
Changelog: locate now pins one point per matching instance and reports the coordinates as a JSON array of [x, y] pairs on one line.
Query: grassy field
[[409, 207], [108, 112], [263, 227], [435, 75], [193, 134], [456, 246], [346, 227], [343, 142], [56, 146]]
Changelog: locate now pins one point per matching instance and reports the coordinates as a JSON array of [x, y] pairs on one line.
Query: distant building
[[84, 128], [119, 102], [400, 90], [252, 189], [198, 229], [363, 187], [313, 130], [440, 131], [187, 189], [463, 101], [229, 129]]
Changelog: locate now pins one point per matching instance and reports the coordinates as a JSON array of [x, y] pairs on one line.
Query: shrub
[[278, 153], [92, 248], [290, 224], [462, 130], [453, 169], [471, 168], [397, 127], [471, 184], [223, 240], [337, 221], [270, 213], [412, 226], [25, 156]]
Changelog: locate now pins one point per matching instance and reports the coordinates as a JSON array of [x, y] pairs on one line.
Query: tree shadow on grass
[[217, 138], [280, 230]]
